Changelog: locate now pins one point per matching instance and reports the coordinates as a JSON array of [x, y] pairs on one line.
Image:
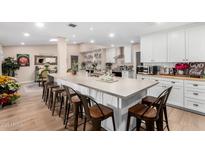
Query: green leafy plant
[[9, 66], [74, 68]]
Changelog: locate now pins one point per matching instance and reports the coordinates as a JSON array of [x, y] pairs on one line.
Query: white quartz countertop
[[123, 88]]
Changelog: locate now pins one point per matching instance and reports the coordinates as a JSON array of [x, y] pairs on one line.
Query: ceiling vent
[[72, 25]]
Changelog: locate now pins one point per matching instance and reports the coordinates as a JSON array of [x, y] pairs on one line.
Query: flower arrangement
[[8, 90], [182, 66]]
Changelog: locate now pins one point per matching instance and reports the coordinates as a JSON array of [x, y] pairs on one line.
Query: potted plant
[[9, 66], [74, 68]]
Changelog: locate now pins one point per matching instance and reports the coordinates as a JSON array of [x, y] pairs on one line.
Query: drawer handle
[[195, 85], [173, 82], [156, 80], [196, 105], [196, 94]]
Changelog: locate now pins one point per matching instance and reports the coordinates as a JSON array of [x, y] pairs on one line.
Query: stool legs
[[149, 125], [53, 104], [61, 105], [113, 122], [128, 122], [138, 124], [166, 118], [66, 116]]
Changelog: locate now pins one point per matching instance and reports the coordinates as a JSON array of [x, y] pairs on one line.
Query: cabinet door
[[146, 48], [128, 54], [159, 47], [176, 46], [110, 54], [176, 96], [196, 44]]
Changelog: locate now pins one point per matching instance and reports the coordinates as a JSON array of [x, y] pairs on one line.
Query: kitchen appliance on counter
[[152, 70], [108, 66]]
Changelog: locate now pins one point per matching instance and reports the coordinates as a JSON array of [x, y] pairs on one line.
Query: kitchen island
[[119, 95]]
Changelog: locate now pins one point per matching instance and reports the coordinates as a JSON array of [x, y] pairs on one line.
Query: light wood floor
[[30, 113]]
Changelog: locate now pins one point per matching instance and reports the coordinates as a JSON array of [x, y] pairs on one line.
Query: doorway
[[74, 59]]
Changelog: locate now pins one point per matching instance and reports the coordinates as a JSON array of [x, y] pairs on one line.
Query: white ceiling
[[11, 33]]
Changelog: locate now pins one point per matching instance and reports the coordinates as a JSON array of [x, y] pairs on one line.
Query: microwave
[[153, 70]]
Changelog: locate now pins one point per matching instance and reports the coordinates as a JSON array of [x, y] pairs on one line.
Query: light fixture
[[92, 41], [39, 24], [112, 45], [73, 35], [53, 40], [22, 43], [132, 41], [26, 34], [111, 35], [91, 28], [74, 42]]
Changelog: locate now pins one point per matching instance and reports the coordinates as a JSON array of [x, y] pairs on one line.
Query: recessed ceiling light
[[22, 43], [73, 35], [112, 45], [132, 41], [26, 34], [91, 28], [39, 24], [53, 40], [92, 41], [111, 35]]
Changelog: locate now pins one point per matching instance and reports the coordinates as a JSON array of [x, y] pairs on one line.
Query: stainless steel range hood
[[121, 54]]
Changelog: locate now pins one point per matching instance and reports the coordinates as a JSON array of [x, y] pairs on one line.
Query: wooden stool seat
[[52, 86], [75, 99], [100, 111], [58, 89], [142, 111]]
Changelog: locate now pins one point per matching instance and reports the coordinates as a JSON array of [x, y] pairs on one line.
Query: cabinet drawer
[[194, 104], [196, 94], [195, 85]]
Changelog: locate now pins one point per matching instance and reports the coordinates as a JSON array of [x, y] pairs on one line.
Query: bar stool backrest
[[84, 99], [162, 100], [50, 78]]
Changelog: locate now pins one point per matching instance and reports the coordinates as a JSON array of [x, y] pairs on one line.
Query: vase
[[74, 72]]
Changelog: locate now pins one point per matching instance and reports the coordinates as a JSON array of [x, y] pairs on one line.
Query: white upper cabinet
[[176, 46], [128, 54], [146, 48], [110, 54], [159, 47], [154, 48], [196, 44]]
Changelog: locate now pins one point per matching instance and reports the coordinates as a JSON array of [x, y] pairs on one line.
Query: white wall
[[26, 74], [73, 50]]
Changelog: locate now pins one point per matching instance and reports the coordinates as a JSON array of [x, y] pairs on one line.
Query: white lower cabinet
[[177, 94], [185, 94], [195, 104], [195, 95]]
